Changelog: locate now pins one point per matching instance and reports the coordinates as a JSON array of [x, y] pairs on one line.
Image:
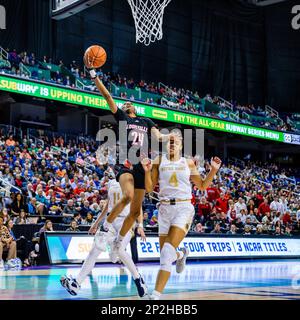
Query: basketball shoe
[[70, 284], [141, 287], [180, 263]]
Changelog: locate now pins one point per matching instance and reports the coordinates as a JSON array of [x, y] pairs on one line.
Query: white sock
[[88, 265], [179, 255], [108, 225], [120, 238], [128, 262]]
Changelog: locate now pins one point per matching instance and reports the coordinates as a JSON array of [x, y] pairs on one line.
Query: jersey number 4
[[173, 180]]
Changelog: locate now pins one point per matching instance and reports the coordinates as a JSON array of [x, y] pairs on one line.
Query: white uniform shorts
[[179, 215]]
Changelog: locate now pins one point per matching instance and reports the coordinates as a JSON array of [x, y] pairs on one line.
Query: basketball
[[95, 57]]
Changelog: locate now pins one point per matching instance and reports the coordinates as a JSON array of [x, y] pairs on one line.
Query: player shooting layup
[[173, 173], [131, 177]]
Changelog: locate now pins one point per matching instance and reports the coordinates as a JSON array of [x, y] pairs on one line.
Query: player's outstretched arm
[[140, 226], [151, 173], [203, 184], [101, 87], [100, 217]]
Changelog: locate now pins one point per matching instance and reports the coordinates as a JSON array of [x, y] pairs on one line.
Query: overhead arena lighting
[[62, 9]]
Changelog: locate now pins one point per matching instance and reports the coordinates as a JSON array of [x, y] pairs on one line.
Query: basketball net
[[148, 18]]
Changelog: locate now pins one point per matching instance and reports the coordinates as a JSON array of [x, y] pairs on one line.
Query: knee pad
[[167, 257]]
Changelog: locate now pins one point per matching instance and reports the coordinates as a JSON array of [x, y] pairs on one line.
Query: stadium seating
[[159, 94]]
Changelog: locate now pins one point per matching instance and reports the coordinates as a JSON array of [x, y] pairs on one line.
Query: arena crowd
[[169, 96], [67, 180]]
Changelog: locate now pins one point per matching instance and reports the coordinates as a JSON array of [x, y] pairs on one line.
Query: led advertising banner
[[226, 247], [93, 100], [72, 248]]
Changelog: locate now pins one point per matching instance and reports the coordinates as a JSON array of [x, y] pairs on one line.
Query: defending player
[[102, 239], [173, 173], [131, 177]]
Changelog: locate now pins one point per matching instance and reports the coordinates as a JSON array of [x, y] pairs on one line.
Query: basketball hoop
[[148, 18]]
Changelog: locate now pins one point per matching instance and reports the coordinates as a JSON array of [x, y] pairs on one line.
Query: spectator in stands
[[32, 207], [283, 200], [239, 225], [259, 230], [213, 194], [6, 243], [199, 228], [250, 205], [217, 229], [252, 218], [242, 215], [17, 205], [73, 227], [78, 218], [204, 209], [240, 205], [69, 211], [9, 226], [4, 215], [30, 191], [154, 218], [41, 201], [247, 230], [231, 213], [278, 231], [48, 226], [276, 217], [257, 214], [287, 232], [286, 219], [264, 207], [85, 208], [146, 220], [232, 229], [10, 142], [222, 203], [89, 220], [275, 205], [21, 219], [95, 208], [54, 206]]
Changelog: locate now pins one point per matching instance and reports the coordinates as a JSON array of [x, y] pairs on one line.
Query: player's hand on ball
[[141, 232], [216, 163], [87, 61], [147, 164]]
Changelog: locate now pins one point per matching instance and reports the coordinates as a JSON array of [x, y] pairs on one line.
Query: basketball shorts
[[180, 215], [138, 173]]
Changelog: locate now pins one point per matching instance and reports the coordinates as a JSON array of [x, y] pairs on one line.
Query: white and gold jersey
[[174, 179], [114, 195]]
